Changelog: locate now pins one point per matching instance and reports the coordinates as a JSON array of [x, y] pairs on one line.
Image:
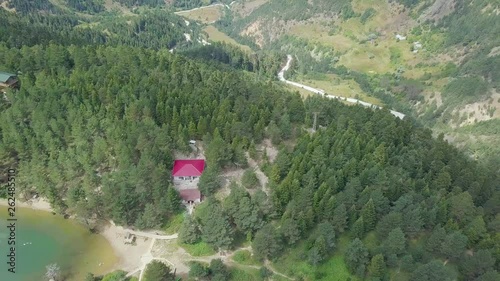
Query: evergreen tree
[[149, 218], [478, 264], [158, 271], [173, 202], [247, 216], [215, 227], [475, 230], [252, 151], [436, 239], [377, 266], [369, 216], [267, 243], [209, 181], [356, 257], [339, 219], [218, 270], [387, 223], [249, 179], [198, 270], [453, 245], [218, 152], [395, 242], [432, 271], [358, 229], [491, 275], [189, 232], [290, 231]]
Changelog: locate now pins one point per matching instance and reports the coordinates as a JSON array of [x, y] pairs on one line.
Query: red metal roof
[[188, 168], [190, 194]]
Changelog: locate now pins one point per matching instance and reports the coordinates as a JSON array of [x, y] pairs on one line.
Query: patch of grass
[[245, 257], [367, 58], [334, 269], [395, 55], [399, 276], [293, 264], [199, 249], [322, 34], [490, 127], [204, 15], [244, 274], [217, 36], [174, 224]]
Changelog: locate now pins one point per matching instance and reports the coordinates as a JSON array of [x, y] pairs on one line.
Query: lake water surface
[[43, 238]]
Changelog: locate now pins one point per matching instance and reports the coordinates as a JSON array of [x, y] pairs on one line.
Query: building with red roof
[[188, 170], [190, 196]]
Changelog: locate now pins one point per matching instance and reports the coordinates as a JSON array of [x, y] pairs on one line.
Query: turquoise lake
[[43, 238]]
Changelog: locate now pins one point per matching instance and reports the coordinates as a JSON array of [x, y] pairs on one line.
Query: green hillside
[[445, 72], [109, 98]]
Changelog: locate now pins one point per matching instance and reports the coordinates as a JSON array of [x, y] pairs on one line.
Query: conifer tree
[[377, 266], [369, 216], [395, 242], [356, 257], [339, 219], [358, 229], [189, 232]]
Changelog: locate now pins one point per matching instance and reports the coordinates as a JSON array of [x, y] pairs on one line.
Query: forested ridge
[[88, 117], [94, 129], [263, 64], [152, 29], [409, 204], [375, 173]]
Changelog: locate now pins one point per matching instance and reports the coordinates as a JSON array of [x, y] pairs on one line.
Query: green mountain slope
[[104, 108], [445, 71]]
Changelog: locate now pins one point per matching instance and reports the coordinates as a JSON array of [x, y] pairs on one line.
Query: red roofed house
[[186, 174], [187, 170]]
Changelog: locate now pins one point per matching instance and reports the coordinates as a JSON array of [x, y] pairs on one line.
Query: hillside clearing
[[245, 8], [111, 5], [334, 85], [217, 36], [333, 269], [207, 14]]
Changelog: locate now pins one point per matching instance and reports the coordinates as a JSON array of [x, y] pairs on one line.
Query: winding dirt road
[[281, 77]]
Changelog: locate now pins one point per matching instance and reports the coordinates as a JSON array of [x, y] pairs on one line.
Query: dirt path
[[154, 236], [268, 265], [145, 234], [281, 77], [199, 8], [146, 259], [170, 252], [263, 179]]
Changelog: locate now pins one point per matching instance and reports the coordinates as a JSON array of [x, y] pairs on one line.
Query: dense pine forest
[[98, 118]]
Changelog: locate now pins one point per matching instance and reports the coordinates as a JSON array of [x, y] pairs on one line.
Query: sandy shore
[[129, 255], [35, 204]]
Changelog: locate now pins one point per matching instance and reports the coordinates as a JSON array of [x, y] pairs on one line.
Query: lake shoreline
[[129, 256], [39, 204]]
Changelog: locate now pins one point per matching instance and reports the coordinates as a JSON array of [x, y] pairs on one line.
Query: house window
[[181, 178]]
